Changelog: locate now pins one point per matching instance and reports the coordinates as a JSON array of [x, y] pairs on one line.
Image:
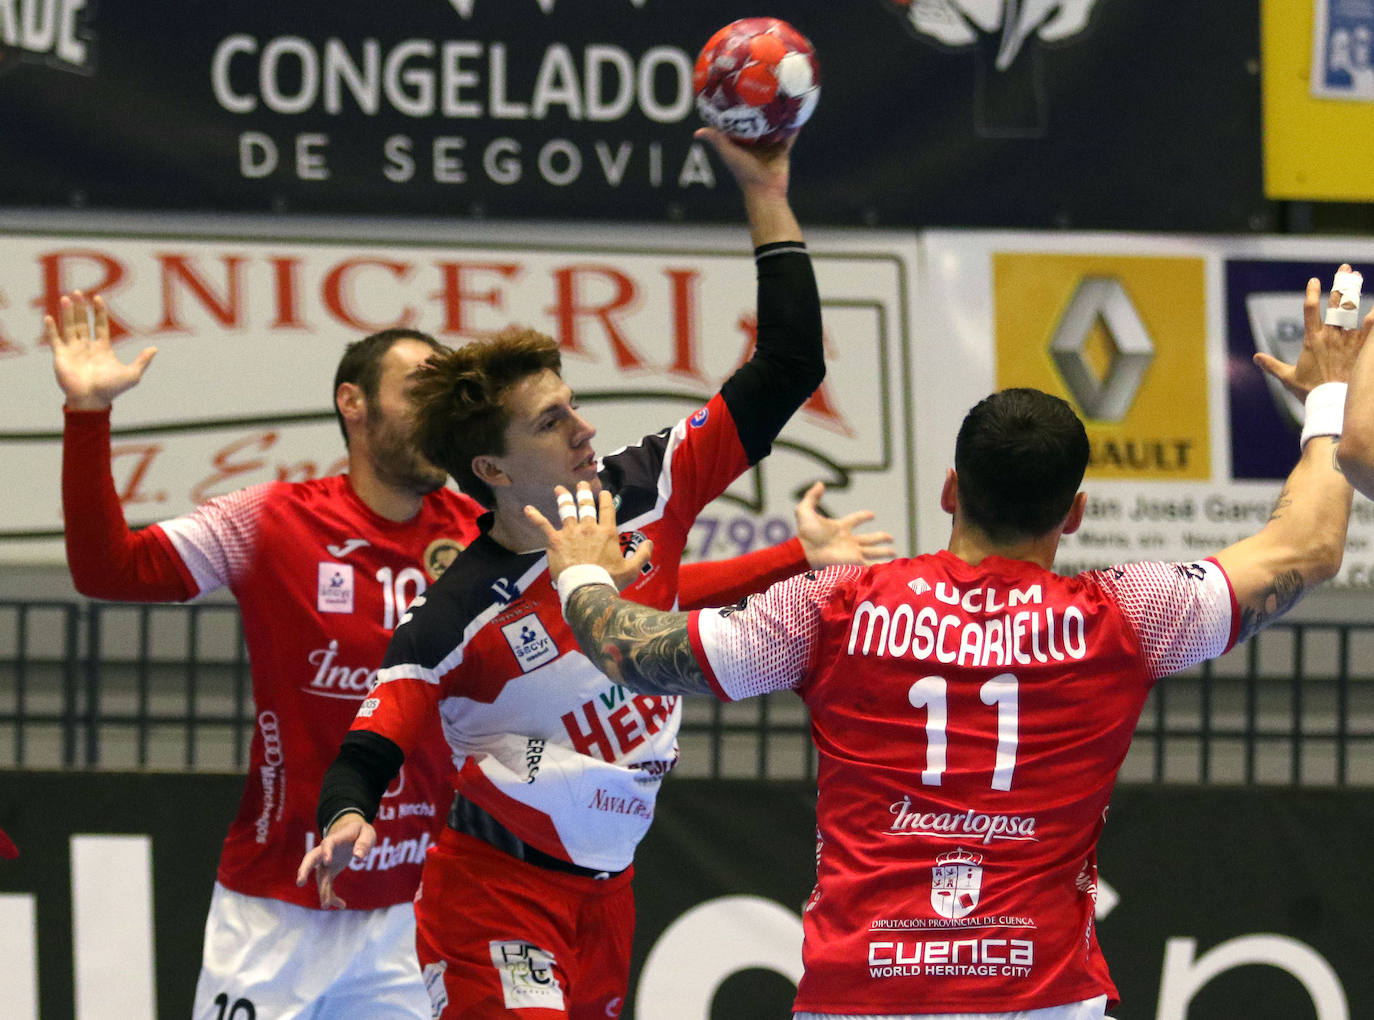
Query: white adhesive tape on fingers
[[1346, 314], [566, 510]]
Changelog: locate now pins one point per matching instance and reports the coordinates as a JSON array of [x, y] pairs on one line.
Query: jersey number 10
[[929, 693]]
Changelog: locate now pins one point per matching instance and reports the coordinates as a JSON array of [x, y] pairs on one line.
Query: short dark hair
[[459, 393], [1019, 459], [361, 363]]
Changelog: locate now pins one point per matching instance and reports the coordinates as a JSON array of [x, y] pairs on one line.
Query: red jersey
[[970, 721], [321, 582]]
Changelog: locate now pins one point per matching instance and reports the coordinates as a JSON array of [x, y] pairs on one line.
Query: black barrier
[[1216, 903], [1087, 114]]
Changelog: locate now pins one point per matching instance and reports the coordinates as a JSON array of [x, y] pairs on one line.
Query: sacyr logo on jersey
[[956, 882], [439, 556], [528, 979], [1010, 94], [334, 588], [530, 642], [45, 32], [1118, 337]]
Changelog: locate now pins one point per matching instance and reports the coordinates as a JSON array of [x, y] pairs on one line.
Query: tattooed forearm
[[645, 649], [1282, 596], [1281, 504]]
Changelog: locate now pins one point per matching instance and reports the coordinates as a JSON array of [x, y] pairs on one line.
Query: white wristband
[[577, 575], [1325, 411]]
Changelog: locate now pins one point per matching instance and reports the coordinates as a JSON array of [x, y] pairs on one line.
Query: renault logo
[[1108, 397]]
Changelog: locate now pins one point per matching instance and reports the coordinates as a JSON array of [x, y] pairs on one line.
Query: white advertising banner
[[1151, 339], [249, 327]]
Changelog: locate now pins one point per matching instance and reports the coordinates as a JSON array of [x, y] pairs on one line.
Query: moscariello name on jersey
[[1021, 638]]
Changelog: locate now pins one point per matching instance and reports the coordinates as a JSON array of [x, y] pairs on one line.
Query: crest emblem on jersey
[[334, 588], [629, 542], [955, 883], [699, 419], [530, 642], [439, 555]]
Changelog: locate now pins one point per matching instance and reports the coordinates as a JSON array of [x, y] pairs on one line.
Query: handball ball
[[757, 80]]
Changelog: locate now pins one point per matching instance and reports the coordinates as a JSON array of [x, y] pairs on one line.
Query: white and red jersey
[[560, 755], [970, 721], [321, 581]]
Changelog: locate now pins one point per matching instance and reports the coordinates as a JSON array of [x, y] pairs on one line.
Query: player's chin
[[422, 483]]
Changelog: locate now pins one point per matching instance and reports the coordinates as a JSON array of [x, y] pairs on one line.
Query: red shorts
[[498, 937]]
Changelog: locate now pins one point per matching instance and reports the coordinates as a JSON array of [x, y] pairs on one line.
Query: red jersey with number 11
[[971, 721]]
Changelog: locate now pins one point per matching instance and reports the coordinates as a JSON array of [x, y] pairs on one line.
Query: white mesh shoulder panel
[[768, 644], [1182, 613], [216, 540]]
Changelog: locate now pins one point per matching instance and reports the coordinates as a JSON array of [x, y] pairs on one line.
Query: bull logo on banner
[[1011, 97], [955, 883]]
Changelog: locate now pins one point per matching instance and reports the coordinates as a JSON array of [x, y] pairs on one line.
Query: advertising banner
[[249, 329], [988, 113], [1152, 340], [1212, 904], [1318, 59]]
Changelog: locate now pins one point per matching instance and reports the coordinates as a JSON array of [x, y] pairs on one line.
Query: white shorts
[[266, 959], [1088, 1009]]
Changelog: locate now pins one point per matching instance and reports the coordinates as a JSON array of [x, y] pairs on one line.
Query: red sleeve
[[105, 558], [725, 582]]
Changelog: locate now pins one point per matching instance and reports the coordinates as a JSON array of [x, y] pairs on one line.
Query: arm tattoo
[[645, 649], [1282, 596], [1281, 504]]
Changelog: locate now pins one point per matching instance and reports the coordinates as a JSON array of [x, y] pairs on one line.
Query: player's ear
[[1075, 518], [349, 399], [949, 493], [487, 469]]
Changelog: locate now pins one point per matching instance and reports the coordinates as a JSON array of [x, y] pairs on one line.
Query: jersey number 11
[[929, 693]]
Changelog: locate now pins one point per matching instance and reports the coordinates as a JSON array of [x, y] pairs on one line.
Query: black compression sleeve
[[366, 765], [789, 360]]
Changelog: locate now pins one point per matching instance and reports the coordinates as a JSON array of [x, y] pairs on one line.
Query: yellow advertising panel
[[1318, 93], [1123, 339]]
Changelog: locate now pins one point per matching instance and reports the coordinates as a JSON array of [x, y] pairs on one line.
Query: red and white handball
[[757, 80]]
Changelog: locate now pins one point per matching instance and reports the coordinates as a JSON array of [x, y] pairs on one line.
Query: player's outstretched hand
[[764, 167], [83, 360], [1328, 351], [349, 838], [587, 533], [829, 540]]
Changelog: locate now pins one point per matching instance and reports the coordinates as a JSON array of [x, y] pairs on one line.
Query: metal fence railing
[[118, 686]]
